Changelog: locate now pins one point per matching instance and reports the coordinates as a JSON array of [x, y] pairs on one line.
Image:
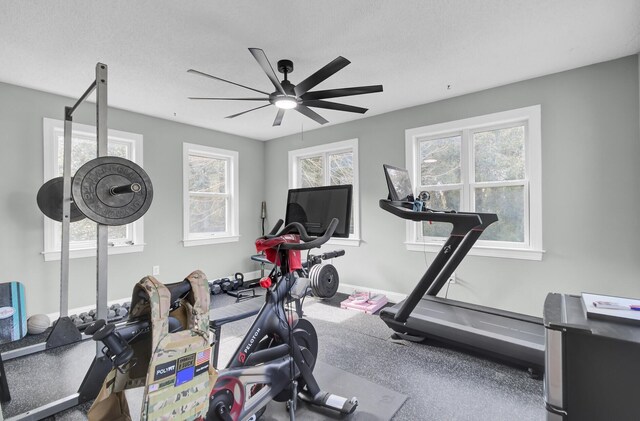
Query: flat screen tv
[[398, 182], [315, 207]]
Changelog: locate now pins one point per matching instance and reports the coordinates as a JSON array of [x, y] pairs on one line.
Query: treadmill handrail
[[463, 222], [467, 228]]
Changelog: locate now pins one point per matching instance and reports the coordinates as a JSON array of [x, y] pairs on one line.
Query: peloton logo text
[[243, 355]]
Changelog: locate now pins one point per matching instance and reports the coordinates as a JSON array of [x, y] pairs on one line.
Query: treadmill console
[[401, 203], [399, 184], [401, 191]]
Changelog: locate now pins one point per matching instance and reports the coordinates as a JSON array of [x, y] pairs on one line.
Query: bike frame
[[275, 363], [275, 368]]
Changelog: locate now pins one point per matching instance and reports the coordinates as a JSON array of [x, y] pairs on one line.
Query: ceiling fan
[[288, 96]]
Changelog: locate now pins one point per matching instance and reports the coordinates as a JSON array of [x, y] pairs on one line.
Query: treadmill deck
[[510, 336]]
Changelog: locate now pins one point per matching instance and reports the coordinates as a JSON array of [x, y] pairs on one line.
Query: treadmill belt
[[480, 321]]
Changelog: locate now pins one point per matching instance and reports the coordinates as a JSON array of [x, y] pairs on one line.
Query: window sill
[[350, 242], [501, 252], [50, 256], [210, 240]]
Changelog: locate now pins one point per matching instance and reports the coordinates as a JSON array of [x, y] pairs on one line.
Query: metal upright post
[[66, 214], [103, 230], [64, 331]]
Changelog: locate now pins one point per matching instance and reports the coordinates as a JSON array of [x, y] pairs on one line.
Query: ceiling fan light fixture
[[300, 97], [286, 103]]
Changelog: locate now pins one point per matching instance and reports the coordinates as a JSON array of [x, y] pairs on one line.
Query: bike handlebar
[[275, 228], [309, 241]]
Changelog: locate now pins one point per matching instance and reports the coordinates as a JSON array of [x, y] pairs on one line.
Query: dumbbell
[[232, 284], [214, 286], [226, 284], [82, 318]]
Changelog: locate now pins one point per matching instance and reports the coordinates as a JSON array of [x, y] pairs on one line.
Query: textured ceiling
[[415, 48]]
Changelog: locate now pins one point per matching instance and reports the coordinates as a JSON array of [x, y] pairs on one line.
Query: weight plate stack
[[324, 280]]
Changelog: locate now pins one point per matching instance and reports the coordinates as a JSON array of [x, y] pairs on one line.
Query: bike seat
[[260, 258]]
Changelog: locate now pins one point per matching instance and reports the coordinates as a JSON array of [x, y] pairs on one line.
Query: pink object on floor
[[364, 302]]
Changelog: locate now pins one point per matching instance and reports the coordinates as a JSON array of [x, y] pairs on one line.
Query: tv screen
[[315, 207], [398, 182]]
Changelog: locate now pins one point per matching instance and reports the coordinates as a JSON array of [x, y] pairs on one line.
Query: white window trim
[[233, 234], [334, 147], [52, 128], [533, 162]]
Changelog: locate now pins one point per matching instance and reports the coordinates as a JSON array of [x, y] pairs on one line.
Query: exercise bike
[[275, 360]]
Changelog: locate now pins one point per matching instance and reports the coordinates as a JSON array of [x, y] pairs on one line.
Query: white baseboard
[[344, 288], [394, 297], [54, 316]]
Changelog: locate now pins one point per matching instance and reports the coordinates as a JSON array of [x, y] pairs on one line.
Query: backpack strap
[[199, 298], [157, 306]]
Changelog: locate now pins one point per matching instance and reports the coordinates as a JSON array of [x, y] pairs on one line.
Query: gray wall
[[591, 144], [21, 113], [590, 175]]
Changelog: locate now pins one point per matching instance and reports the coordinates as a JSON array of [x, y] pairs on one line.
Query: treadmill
[[503, 335]]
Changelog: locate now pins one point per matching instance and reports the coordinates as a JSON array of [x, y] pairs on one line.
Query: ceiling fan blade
[[244, 112], [230, 99], [302, 109], [334, 106], [335, 93], [279, 116], [197, 72], [322, 74], [262, 60]]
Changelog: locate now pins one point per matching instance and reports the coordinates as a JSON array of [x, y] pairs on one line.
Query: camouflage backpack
[[174, 368]]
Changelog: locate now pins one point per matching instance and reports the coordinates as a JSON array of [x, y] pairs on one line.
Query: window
[[82, 239], [489, 163], [329, 165], [211, 205]]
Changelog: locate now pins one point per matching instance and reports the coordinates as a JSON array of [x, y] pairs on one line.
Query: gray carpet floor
[[441, 383]]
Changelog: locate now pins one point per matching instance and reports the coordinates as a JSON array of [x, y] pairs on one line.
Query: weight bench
[[230, 313]]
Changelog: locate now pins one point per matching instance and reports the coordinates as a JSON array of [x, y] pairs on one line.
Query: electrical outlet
[[156, 270], [452, 278]]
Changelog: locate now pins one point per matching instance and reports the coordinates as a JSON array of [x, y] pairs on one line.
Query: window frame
[[350, 145], [531, 248], [232, 234], [53, 130]]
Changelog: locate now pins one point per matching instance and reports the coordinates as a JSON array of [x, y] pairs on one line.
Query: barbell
[[108, 190]]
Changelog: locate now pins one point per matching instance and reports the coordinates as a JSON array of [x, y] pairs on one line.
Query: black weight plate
[[92, 186], [325, 281], [50, 201]]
